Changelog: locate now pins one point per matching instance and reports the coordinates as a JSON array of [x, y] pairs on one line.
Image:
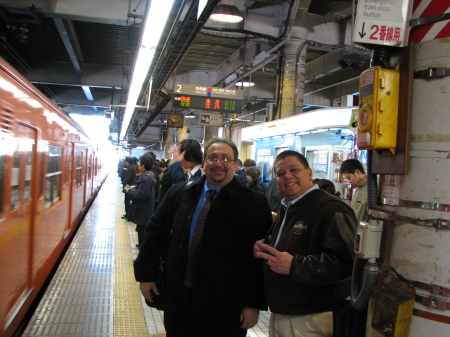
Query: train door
[[86, 176], [72, 165], [78, 183], [17, 220], [90, 173]]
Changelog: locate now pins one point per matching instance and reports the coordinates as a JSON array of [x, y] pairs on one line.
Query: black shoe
[[137, 246], [124, 216]]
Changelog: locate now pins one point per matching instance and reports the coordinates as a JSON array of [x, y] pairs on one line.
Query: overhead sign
[[207, 98], [382, 22], [211, 119]]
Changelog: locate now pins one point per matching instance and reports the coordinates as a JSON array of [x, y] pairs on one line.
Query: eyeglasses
[[223, 160]]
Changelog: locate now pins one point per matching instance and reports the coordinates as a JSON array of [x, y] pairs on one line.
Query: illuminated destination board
[[207, 98]]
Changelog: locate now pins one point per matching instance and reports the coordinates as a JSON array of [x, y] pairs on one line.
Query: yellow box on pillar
[[378, 113], [393, 309]]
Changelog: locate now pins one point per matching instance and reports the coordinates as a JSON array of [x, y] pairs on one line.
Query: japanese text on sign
[[385, 33], [382, 22], [205, 103], [213, 92]]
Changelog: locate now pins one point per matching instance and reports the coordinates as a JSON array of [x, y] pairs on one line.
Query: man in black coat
[[308, 253], [129, 175], [143, 196], [240, 174], [224, 293], [187, 161]]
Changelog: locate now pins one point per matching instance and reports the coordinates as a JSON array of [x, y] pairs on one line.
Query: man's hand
[[279, 262], [257, 248], [149, 290], [176, 154], [249, 318]]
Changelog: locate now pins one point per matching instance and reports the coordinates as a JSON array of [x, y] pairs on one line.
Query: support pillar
[[421, 199], [168, 142], [292, 86], [210, 132], [182, 133]]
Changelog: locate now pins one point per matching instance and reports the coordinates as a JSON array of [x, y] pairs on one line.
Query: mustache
[[224, 169]]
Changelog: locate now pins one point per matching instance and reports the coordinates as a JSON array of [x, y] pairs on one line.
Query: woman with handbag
[[143, 196]]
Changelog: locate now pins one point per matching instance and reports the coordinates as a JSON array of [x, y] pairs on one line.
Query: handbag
[[158, 300]]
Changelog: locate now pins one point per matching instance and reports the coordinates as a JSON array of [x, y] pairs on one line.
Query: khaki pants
[[314, 325]]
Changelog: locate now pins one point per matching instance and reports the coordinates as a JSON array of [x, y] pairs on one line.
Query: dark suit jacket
[[226, 275], [143, 199], [177, 173], [241, 176]]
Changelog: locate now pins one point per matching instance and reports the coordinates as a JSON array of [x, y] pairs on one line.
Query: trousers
[[312, 325]]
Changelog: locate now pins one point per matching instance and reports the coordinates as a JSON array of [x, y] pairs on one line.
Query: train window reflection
[[28, 174], [54, 173], [42, 173], [78, 168], [15, 179], [90, 166], [2, 179]]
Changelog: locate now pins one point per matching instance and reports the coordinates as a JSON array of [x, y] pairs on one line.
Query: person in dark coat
[[248, 163], [240, 174], [223, 296], [120, 167], [187, 161], [166, 180], [129, 175], [156, 171], [254, 182], [273, 195], [309, 253], [142, 196]]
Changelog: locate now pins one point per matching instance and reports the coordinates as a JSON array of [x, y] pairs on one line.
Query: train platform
[[93, 292]]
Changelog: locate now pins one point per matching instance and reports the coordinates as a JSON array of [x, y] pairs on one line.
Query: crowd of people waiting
[[200, 214]]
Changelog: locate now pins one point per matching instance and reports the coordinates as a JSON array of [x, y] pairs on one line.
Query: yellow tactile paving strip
[[93, 293], [128, 317]]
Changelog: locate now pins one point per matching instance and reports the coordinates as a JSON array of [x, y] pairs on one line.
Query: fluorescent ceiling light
[[226, 13], [244, 84], [189, 115], [155, 21], [87, 92]]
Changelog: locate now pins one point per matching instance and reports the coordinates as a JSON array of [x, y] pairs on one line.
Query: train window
[[90, 167], [2, 176], [15, 179], [28, 174], [41, 185], [22, 166], [54, 174], [78, 169]]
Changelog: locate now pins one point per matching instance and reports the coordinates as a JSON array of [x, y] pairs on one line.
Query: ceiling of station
[[82, 56]]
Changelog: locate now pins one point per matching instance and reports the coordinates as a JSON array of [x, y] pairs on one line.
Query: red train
[[49, 174]]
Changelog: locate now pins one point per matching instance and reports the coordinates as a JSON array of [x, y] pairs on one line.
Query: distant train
[[49, 174]]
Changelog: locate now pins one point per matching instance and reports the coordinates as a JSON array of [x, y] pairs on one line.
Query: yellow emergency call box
[[378, 113]]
